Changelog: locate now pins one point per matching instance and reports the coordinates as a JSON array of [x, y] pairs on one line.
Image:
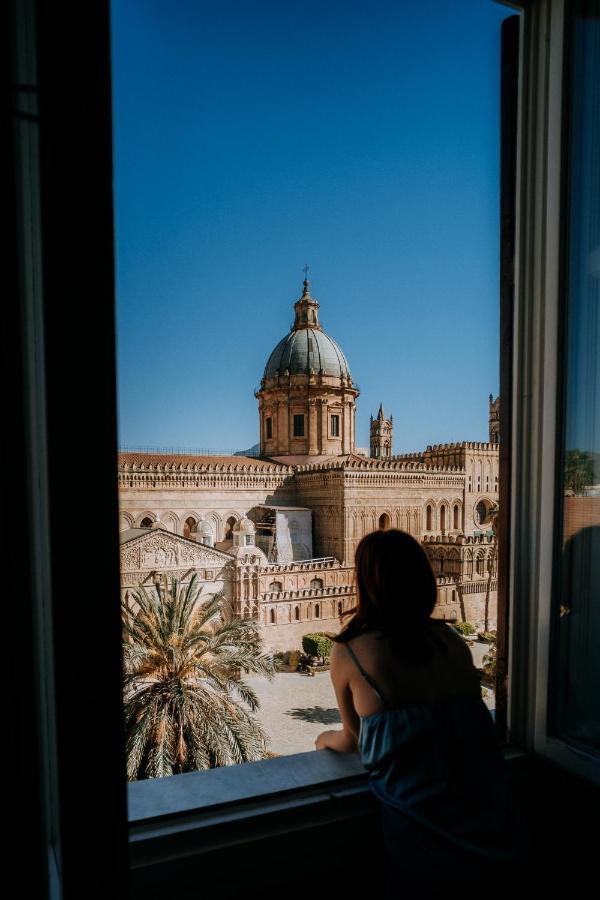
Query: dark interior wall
[[68, 433]]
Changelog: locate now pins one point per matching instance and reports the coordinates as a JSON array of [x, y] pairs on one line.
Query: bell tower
[[494, 420], [381, 435]]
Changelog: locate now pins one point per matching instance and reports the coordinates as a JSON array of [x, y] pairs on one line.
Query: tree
[[186, 706], [492, 518], [317, 644], [579, 471]]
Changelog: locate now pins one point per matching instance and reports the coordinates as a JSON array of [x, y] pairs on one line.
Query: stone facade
[[441, 495]]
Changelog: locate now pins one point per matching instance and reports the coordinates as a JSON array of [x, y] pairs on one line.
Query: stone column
[[345, 426], [323, 425], [312, 425], [283, 442]]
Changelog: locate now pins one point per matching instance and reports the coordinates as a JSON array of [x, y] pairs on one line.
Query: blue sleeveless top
[[439, 764]]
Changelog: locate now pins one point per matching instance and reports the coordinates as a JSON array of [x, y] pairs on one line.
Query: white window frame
[[535, 378]]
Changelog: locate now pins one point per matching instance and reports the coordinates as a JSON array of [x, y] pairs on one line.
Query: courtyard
[[295, 708]]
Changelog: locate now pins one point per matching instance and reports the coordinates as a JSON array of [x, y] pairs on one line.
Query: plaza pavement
[[296, 708]]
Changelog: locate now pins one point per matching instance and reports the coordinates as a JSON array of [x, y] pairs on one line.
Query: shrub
[[464, 628], [489, 665], [317, 645], [488, 636]]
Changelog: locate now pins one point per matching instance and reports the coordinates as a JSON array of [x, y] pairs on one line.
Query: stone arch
[[317, 610], [480, 563], [316, 584], [190, 526], [275, 586], [430, 517], [453, 563], [457, 515], [230, 520], [125, 521], [170, 520], [296, 613], [385, 521], [214, 520], [146, 515], [443, 516]]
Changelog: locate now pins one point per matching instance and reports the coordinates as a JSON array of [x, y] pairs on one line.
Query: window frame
[[539, 290], [298, 419], [65, 177]]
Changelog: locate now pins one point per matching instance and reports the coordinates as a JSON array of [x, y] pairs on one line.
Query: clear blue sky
[[252, 137]]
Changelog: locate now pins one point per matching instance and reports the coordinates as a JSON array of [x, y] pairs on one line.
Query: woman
[[410, 702]]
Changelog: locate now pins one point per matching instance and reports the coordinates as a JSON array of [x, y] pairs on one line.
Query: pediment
[[159, 549]]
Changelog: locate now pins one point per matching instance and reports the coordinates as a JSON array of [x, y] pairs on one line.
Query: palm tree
[[492, 519], [186, 706]]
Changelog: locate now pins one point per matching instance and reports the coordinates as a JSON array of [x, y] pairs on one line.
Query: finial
[[305, 270]]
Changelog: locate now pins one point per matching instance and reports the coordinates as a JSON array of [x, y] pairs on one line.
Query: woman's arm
[[346, 740]]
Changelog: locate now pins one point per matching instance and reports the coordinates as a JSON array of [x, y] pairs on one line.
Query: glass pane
[[576, 689]]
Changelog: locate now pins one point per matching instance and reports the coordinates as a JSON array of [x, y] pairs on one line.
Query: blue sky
[[252, 137]]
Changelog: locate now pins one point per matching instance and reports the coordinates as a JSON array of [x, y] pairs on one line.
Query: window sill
[[219, 827], [217, 788]]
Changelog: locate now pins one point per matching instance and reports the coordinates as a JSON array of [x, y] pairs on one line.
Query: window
[[297, 613], [443, 518], [335, 426], [146, 523], [574, 707], [429, 518], [316, 584], [298, 426], [384, 522], [269, 428], [190, 527], [534, 514], [317, 610], [456, 523], [276, 586]]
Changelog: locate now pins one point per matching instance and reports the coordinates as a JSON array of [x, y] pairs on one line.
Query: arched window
[[480, 565], [441, 562], [340, 610], [297, 613], [276, 586], [454, 596], [316, 584], [428, 518], [190, 527], [317, 610], [384, 522], [146, 523], [481, 512], [272, 616], [443, 518], [229, 528]]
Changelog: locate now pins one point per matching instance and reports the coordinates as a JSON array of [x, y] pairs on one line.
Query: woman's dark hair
[[396, 593]]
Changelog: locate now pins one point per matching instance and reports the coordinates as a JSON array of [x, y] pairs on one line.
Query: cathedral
[[277, 532]]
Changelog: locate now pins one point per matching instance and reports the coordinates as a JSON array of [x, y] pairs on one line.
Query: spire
[[381, 414]]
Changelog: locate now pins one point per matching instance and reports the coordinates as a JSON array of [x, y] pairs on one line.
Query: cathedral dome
[[307, 349]]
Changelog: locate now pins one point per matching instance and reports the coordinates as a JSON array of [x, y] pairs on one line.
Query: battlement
[[457, 539]]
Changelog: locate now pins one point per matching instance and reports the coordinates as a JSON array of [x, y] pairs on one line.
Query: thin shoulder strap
[[364, 674]]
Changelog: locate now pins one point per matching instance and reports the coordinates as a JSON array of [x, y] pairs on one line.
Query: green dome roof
[[307, 349]]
